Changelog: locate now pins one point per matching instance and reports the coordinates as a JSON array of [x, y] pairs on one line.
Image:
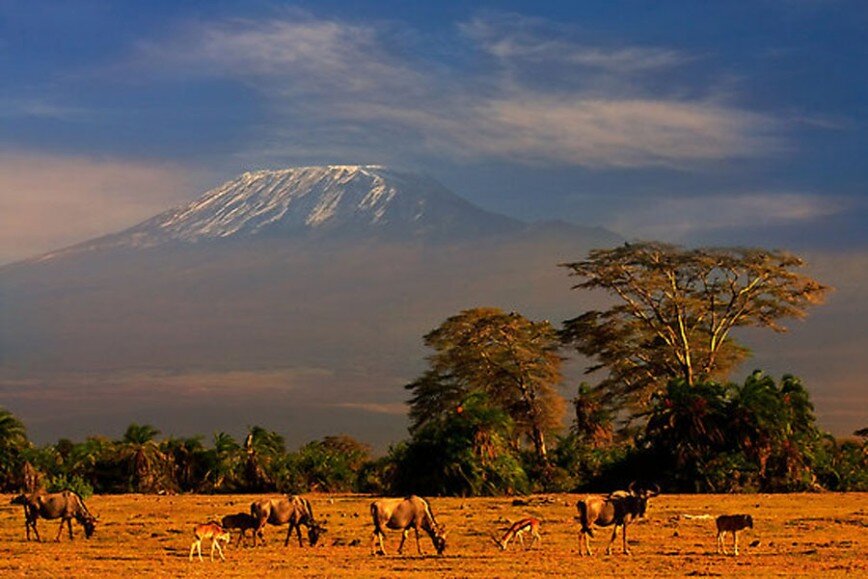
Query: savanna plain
[[809, 535]]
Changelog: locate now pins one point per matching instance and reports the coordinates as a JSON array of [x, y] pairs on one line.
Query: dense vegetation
[[486, 414]]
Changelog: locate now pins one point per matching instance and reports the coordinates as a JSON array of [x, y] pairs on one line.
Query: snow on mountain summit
[[344, 199]]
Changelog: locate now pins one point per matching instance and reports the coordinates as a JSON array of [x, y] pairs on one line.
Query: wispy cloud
[[515, 38], [673, 218], [362, 89]]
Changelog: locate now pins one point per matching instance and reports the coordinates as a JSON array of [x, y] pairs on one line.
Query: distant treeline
[[756, 436], [486, 415]]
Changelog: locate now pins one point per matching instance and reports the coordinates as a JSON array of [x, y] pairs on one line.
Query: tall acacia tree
[[676, 310], [513, 360]]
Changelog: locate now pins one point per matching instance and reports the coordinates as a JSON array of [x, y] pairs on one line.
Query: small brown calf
[[211, 531], [241, 522], [733, 524]]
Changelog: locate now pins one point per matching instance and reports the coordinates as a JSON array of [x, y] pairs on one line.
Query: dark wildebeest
[[295, 510], [242, 522], [405, 514], [65, 505], [733, 524], [618, 508]]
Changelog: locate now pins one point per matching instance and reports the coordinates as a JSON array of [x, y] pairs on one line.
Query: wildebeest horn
[[632, 487], [654, 490]]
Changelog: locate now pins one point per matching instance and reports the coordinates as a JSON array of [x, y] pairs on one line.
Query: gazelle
[[211, 531], [518, 529]]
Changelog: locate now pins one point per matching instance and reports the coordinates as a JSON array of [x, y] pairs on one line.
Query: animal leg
[[69, 525], [298, 534], [216, 543], [418, 544], [720, 546], [624, 539], [289, 534], [197, 546], [536, 537], [59, 531], [259, 533], [520, 538], [612, 540], [377, 537], [404, 534], [735, 541]]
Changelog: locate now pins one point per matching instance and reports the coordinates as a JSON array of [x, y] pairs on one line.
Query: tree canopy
[[512, 359], [676, 309]]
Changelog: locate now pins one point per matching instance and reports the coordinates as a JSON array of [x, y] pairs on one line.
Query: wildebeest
[[65, 505], [213, 531], [404, 514], [618, 508], [517, 530], [242, 522], [733, 524], [295, 510]]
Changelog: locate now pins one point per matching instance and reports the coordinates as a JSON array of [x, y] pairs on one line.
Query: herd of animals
[[617, 509]]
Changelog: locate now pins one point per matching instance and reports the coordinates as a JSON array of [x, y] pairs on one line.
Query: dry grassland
[[794, 535]]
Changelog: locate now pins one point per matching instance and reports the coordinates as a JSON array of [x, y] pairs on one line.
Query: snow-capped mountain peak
[[317, 200]]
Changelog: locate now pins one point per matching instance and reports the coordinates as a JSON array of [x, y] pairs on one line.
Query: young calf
[[518, 529], [733, 524], [211, 531], [242, 522]]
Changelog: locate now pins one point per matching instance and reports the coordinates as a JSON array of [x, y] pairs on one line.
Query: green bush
[[74, 483]]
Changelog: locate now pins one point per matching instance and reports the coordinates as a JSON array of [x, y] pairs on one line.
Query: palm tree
[[13, 439], [223, 460], [146, 462], [187, 456], [688, 423], [263, 448]]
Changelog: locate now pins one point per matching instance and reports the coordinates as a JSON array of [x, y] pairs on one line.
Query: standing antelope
[[733, 524], [517, 530], [211, 531]]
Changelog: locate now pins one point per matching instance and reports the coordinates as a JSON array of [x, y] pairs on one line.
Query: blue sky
[[726, 122]]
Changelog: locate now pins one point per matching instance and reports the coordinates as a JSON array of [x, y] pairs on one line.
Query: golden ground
[[138, 535]]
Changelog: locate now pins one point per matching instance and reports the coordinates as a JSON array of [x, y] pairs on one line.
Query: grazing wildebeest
[[295, 510], [518, 529], [65, 505], [405, 514], [733, 524], [213, 531], [242, 522], [618, 508]]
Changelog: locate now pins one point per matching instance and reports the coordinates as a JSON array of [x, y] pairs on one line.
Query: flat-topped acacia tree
[[676, 308]]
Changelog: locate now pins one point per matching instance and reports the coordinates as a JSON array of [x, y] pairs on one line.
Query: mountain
[[331, 201], [292, 299]]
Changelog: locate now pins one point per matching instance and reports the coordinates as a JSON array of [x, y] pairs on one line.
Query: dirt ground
[[794, 535]]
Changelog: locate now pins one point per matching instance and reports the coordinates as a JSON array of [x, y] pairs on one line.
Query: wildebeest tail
[[375, 518], [583, 518]]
